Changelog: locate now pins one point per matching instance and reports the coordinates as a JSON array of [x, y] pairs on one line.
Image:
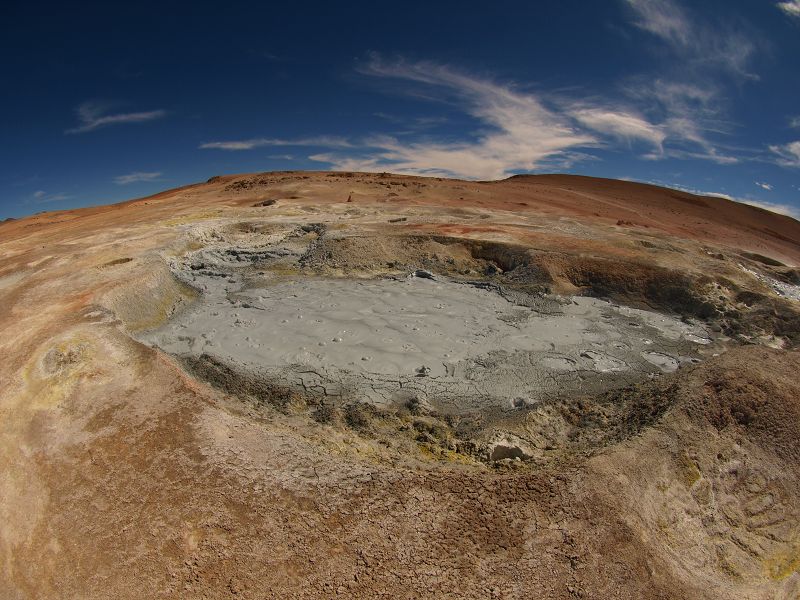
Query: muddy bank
[[453, 343], [467, 337]]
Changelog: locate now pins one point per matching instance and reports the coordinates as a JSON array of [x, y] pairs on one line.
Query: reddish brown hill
[[705, 218], [594, 201]]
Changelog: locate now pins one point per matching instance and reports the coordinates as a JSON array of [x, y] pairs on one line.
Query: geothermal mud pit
[[451, 345], [548, 455]]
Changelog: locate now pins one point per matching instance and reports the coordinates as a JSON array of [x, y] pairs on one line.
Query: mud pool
[[452, 345]]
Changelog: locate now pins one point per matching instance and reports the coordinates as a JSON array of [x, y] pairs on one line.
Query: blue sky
[[103, 101]]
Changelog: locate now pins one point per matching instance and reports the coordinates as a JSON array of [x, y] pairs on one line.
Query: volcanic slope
[[319, 385]]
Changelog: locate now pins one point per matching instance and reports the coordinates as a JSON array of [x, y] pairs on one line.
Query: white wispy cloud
[[94, 116], [43, 197], [620, 124], [411, 125], [698, 43], [137, 177], [791, 8], [707, 155], [238, 144], [764, 186], [663, 18], [794, 122], [517, 131], [787, 155], [520, 130], [672, 119], [690, 115], [688, 98], [250, 144]]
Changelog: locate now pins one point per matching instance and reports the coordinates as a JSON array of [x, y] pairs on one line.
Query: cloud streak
[[698, 44], [519, 131], [137, 177], [94, 116], [621, 125], [252, 143], [791, 8], [787, 155], [687, 99], [43, 197], [525, 131], [689, 115], [664, 19]]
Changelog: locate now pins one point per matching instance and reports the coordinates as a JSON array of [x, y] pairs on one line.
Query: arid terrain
[[353, 385]]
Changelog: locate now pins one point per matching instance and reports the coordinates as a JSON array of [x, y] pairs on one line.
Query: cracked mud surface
[[454, 345], [198, 469]]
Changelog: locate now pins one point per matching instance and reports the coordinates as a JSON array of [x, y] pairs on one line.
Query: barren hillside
[[319, 385]]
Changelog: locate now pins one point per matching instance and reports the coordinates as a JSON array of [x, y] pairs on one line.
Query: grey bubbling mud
[[452, 345]]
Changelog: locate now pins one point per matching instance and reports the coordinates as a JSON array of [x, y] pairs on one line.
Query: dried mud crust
[[558, 430], [483, 341], [553, 530], [742, 312], [729, 490], [202, 497], [439, 339], [565, 411]]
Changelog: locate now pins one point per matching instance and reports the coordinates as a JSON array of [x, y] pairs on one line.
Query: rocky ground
[[604, 405]]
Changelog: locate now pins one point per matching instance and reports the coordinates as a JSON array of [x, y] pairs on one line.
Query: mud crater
[[451, 343]]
